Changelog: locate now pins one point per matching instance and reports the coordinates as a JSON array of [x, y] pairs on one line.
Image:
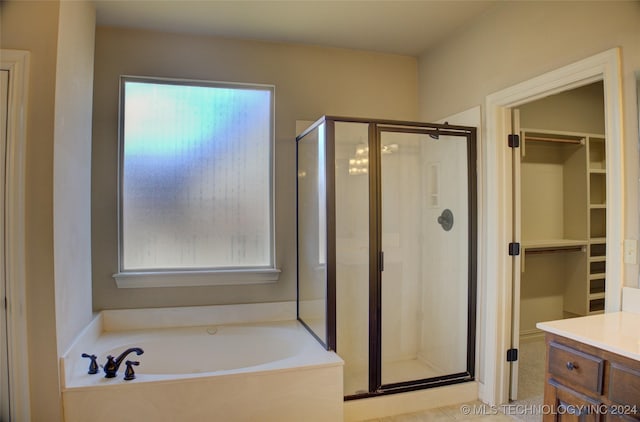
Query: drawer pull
[[573, 366]]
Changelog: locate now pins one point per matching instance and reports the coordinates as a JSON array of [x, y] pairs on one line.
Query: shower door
[[387, 250], [425, 243]]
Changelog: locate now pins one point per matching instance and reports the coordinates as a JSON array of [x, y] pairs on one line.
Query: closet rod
[[553, 250], [549, 139]]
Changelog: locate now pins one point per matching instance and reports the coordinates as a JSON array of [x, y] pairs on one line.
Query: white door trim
[[497, 219], [17, 63]]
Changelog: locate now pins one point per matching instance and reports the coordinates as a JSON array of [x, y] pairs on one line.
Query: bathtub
[[196, 367]]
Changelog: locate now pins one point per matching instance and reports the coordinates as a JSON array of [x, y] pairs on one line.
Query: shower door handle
[[381, 259]]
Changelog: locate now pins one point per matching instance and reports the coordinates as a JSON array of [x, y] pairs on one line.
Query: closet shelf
[[598, 240], [552, 244], [597, 259], [597, 171], [597, 206], [593, 296], [596, 276], [531, 138]]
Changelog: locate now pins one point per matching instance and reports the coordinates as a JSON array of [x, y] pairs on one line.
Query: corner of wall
[[72, 170]]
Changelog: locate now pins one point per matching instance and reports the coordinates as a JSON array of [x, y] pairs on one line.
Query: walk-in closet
[[560, 206]]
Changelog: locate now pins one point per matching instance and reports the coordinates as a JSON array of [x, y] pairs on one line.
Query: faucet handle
[[128, 373], [93, 366]]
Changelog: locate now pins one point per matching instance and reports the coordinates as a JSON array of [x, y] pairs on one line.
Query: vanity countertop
[[616, 332]]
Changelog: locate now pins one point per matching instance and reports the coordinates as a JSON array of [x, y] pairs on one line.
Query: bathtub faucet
[[112, 365]]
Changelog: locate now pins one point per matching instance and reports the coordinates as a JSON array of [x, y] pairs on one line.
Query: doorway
[[497, 214], [14, 372], [5, 410], [559, 219]]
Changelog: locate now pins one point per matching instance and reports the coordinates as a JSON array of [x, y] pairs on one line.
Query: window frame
[[161, 277]]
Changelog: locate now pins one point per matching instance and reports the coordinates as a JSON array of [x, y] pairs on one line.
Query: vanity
[[592, 368]]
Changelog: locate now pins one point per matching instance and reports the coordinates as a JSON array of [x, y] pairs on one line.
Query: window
[[195, 188]]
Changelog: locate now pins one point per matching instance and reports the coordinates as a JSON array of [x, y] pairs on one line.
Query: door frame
[[17, 63], [497, 218]]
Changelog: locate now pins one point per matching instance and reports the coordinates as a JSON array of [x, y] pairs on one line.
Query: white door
[[4, 368], [517, 237]]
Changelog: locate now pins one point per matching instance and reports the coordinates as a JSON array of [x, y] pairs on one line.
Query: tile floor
[[531, 383], [531, 369], [475, 411]]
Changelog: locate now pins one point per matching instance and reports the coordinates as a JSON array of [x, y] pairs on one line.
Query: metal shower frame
[[375, 129]]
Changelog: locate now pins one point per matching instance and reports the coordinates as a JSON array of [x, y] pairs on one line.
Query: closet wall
[[562, 204]]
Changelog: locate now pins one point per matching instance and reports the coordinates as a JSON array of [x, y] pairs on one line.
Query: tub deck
[[299, 381]]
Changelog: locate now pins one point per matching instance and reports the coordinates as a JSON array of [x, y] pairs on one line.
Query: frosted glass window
[[195, 176]]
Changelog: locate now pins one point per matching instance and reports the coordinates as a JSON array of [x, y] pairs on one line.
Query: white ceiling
[[392, 26]]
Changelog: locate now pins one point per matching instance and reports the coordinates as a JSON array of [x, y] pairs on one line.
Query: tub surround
[[291, 378], [615, 332], [135, 319], [154, 318], [284, 346]]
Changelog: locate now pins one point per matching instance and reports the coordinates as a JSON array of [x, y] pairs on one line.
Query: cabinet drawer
[[576, 367], [624, 386], [571, 406]]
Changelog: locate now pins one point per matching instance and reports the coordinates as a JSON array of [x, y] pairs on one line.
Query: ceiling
[[392, 26]]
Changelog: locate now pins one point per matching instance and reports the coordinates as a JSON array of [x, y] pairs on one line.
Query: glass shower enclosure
[[386, 227]]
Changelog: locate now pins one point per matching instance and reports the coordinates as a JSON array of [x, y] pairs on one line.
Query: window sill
[[133, 279]]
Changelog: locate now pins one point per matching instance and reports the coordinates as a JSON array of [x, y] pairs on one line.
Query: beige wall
[[72, 170], [310, 82], [577, 110], [515, 41], [33, 26]]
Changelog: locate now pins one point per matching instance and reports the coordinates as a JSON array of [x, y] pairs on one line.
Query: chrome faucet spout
[[112, 365]]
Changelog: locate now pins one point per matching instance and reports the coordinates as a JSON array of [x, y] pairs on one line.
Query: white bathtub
[[258, 371]]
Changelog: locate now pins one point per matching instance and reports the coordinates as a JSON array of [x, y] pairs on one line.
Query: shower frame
[[375, 128]]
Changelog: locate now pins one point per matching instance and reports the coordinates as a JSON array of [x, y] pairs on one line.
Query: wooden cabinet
[[584, 383], [570, 405]]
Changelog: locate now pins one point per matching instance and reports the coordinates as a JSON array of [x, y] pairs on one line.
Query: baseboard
[[528, 336]]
